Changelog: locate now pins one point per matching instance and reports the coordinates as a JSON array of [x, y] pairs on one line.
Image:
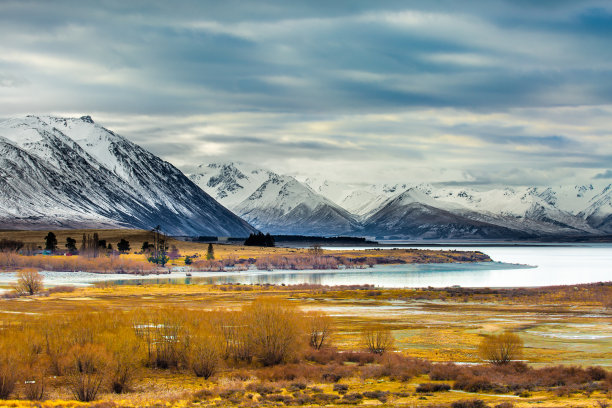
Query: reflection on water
[[554, 265], [421, 275]]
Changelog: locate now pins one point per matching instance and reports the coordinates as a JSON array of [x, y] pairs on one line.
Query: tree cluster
[[260, 239]]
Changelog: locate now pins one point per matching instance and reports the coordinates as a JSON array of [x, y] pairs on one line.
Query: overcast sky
[[502, 92]]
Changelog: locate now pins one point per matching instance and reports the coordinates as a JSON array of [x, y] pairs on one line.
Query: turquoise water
[[438, 275], [515, 266]]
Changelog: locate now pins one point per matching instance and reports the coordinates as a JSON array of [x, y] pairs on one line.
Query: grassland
[[559, 325]]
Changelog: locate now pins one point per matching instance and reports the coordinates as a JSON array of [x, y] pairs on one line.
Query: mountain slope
[[458, 213], [65, 173], [273, 203]]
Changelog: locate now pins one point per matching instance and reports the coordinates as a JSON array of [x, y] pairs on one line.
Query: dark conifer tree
[[50, 242]]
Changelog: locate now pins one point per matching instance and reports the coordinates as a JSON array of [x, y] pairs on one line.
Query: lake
[[515, 266]]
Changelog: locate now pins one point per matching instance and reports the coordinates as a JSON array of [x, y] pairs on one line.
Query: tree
[[71, 244], [319, 327], [260, 239], [160, 247], [210, 253], [146, 247], [90, 245], [123, 245], [378, 339], [501, 349], [29, 282], [316, 250], [50, 242]]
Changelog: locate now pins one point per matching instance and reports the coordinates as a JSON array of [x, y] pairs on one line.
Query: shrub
[[501, 349], [163, 333], [29, 282], [319, 329], [471, 383], [235, 340], [377, 339], [86, 369], [341, 388], [126, 356], [204, 355], [473, 403], [34, 384], [432, 387], [379, 395], [8, 377], [325, 399], [274, 330], [352, 398]]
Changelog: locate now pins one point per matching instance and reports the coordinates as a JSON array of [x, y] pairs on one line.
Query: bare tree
[[320, 327], [378, 339], [501, 349], [29, 282]]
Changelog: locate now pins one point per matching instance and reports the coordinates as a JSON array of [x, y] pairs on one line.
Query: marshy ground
[[568, 326]]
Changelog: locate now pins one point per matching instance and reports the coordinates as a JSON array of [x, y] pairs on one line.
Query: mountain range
[[74, 173], [281, 204]]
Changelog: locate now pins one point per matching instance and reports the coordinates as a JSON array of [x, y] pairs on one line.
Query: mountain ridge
[[71, 172]]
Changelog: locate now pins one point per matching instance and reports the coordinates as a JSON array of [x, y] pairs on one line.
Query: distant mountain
[[272, 202], [66, 173], [425, 211]]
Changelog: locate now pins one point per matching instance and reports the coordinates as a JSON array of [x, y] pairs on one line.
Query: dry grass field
[[429, 328]]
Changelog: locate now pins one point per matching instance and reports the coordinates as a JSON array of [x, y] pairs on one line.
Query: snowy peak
[[271, 202], [229, 183], [72, 172]]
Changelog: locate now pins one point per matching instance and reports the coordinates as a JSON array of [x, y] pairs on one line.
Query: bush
[[274, 330], [473, 403], [377, 339], [86, 370], [29, 282], [8, 378], [501, 349], [126, 356], [341, 388], [352, 398], [319, 329], [379, 395], [34, 384], [471, 383], [204, 355], [432, 387]]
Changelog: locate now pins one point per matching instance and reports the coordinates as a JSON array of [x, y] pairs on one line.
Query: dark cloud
[[471, 84]]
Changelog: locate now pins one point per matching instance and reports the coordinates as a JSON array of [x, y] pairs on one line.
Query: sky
[[456, 92]]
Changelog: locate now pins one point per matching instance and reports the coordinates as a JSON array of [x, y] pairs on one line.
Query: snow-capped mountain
[[452, 213], [272, 202], [64, 173], [427, 211]]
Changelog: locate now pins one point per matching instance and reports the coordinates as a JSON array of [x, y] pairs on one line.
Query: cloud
[[605, 175], [346, 87]]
